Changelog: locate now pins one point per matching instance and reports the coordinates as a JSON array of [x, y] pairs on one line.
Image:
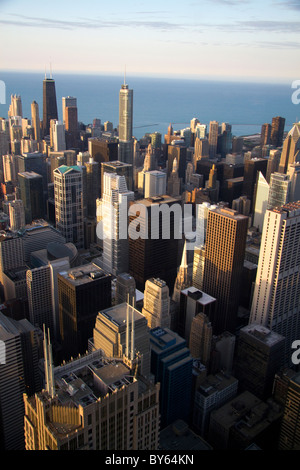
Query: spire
[[49, 374], [184, 263], [175, 165]]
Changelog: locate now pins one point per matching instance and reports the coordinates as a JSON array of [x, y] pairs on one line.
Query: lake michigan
[[157, 102]]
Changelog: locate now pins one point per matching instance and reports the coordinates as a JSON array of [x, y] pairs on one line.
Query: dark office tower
[[213, 138], [265, 134], [103, 150], [251, 171], [223, 266], [71, 126], [92, 186], [19, 371], [291, 148], [273, 163], [193, 302], [287, 393], [69, 203], [125, 286], [259, 356], [277, 131], [178, 151], [125, 152], [82, 293], [31, 193], [35, 119], [12, 387], [65, 157], [121, 169], [49, 104], [171, 365], [34, 161], [154, 254]]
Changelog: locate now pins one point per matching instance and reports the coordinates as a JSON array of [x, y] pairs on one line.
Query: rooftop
[[118, 313], [178, 436], [83, 274]]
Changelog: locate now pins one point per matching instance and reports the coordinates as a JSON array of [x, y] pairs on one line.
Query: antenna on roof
[[125, 75], [50, 69]]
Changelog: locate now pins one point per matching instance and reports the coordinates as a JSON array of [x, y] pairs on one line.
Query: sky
[[211, 39]]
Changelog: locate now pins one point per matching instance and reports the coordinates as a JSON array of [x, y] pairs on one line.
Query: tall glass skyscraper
[[68, 193], [125, 153], [49, 104]]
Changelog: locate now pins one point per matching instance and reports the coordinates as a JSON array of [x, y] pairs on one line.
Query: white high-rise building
[[155, 183], [114, 216], [68, 194], [276, 298], [261, 201], [16, 214], [59, 137]]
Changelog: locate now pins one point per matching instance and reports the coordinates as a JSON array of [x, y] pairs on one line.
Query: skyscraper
[[93, 185], [276, 295], [16, 214], [153, 252], [213, 138], [156, 306], [96, 404], [289, 438], [49, 104], [224, 260], [265, 134], [15, 108], [291, 148], [171, 364], [125, 153], [279, 190], [258, 357], [114, 213], [18, 373], [82, 293], [277, 131], [122, 331], [192, 303], [31, 193], [68, 189], [39, 292], [35, 118], [59, 138], [183, 278], [120, 168], [67, 101]]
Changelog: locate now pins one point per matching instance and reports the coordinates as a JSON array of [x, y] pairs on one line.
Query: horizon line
[[172, 76]]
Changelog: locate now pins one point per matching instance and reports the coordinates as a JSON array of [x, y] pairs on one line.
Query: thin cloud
[[36, 22], [290, 4], [262, 25]]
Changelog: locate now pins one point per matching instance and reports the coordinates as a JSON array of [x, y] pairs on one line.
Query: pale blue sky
[[245, 39]]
